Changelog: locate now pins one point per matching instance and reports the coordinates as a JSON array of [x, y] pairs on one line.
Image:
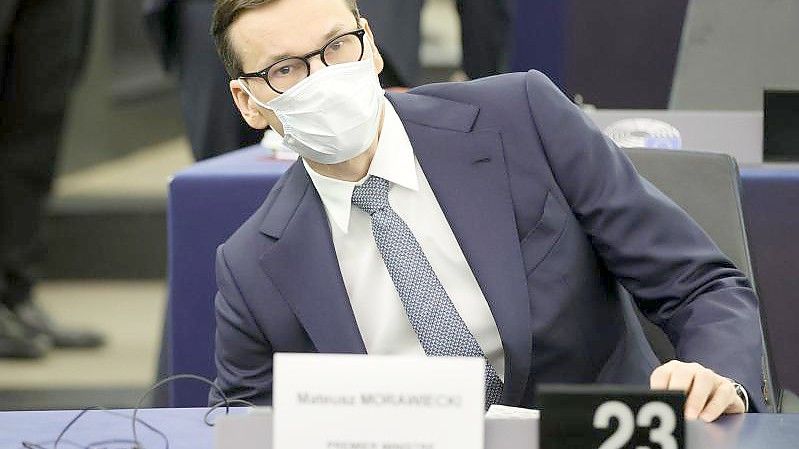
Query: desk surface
[[185, 429]]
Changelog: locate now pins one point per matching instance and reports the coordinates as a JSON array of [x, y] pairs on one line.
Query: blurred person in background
[[485, 33], [43, 43], [181, 31]]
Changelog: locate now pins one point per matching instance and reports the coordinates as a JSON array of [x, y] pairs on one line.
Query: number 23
[[661, 435]]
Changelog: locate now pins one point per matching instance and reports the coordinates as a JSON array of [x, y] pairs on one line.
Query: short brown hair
[[225, 13]]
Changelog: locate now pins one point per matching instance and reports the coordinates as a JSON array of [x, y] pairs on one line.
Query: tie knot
[[372, 195]]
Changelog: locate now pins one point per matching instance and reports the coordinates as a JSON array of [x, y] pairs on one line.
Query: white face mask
[[334, 114]]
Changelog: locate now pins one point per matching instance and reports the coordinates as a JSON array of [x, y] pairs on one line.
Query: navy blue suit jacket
[[549, 214]]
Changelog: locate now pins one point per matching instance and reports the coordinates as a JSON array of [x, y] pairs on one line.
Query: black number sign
[[610, 417]]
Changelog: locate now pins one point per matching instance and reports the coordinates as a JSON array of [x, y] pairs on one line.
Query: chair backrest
[[707, 187]]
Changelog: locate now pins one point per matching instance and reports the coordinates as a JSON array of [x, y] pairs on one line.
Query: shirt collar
[[393, 161]]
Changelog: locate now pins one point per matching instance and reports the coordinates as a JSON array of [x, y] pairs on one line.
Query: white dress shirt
[[375, 302]]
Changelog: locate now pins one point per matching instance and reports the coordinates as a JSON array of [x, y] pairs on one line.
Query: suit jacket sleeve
[[243, 353], [680, 279]]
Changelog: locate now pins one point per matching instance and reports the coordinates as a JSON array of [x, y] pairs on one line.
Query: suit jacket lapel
[[466, 170], [303, 266]]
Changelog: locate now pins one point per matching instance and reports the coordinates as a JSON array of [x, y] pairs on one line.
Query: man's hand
[[709, 394]]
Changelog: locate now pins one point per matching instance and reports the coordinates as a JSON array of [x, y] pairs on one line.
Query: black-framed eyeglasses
[[284, 74]]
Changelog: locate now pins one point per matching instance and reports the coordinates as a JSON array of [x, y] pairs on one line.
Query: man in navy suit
[[495, 206]]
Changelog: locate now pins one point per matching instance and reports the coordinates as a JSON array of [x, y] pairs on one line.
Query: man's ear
[[250, 110], [377, 58]]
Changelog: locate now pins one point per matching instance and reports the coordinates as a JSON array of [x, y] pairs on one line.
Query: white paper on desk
[[327, 401]]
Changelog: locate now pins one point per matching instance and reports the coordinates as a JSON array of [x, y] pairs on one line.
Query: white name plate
[[249, 430], [327, 401], [505, 428], [511, 428]]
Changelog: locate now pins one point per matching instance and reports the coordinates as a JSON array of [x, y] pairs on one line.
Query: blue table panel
[[207, 203], [185, 429], [771, 208]]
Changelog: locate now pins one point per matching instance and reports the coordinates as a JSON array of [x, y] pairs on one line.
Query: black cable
[[41, 445], [71, 423], [61, 439], [136, 444], [220, 404], [165, 381], [103, 443]]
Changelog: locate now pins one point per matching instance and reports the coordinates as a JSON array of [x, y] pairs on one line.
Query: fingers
[[723, 397], [682, 377], [708, 395], [673, 375], [705, 383], [659, 380]]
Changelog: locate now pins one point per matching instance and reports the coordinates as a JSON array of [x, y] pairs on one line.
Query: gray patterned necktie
[[433, 316]]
